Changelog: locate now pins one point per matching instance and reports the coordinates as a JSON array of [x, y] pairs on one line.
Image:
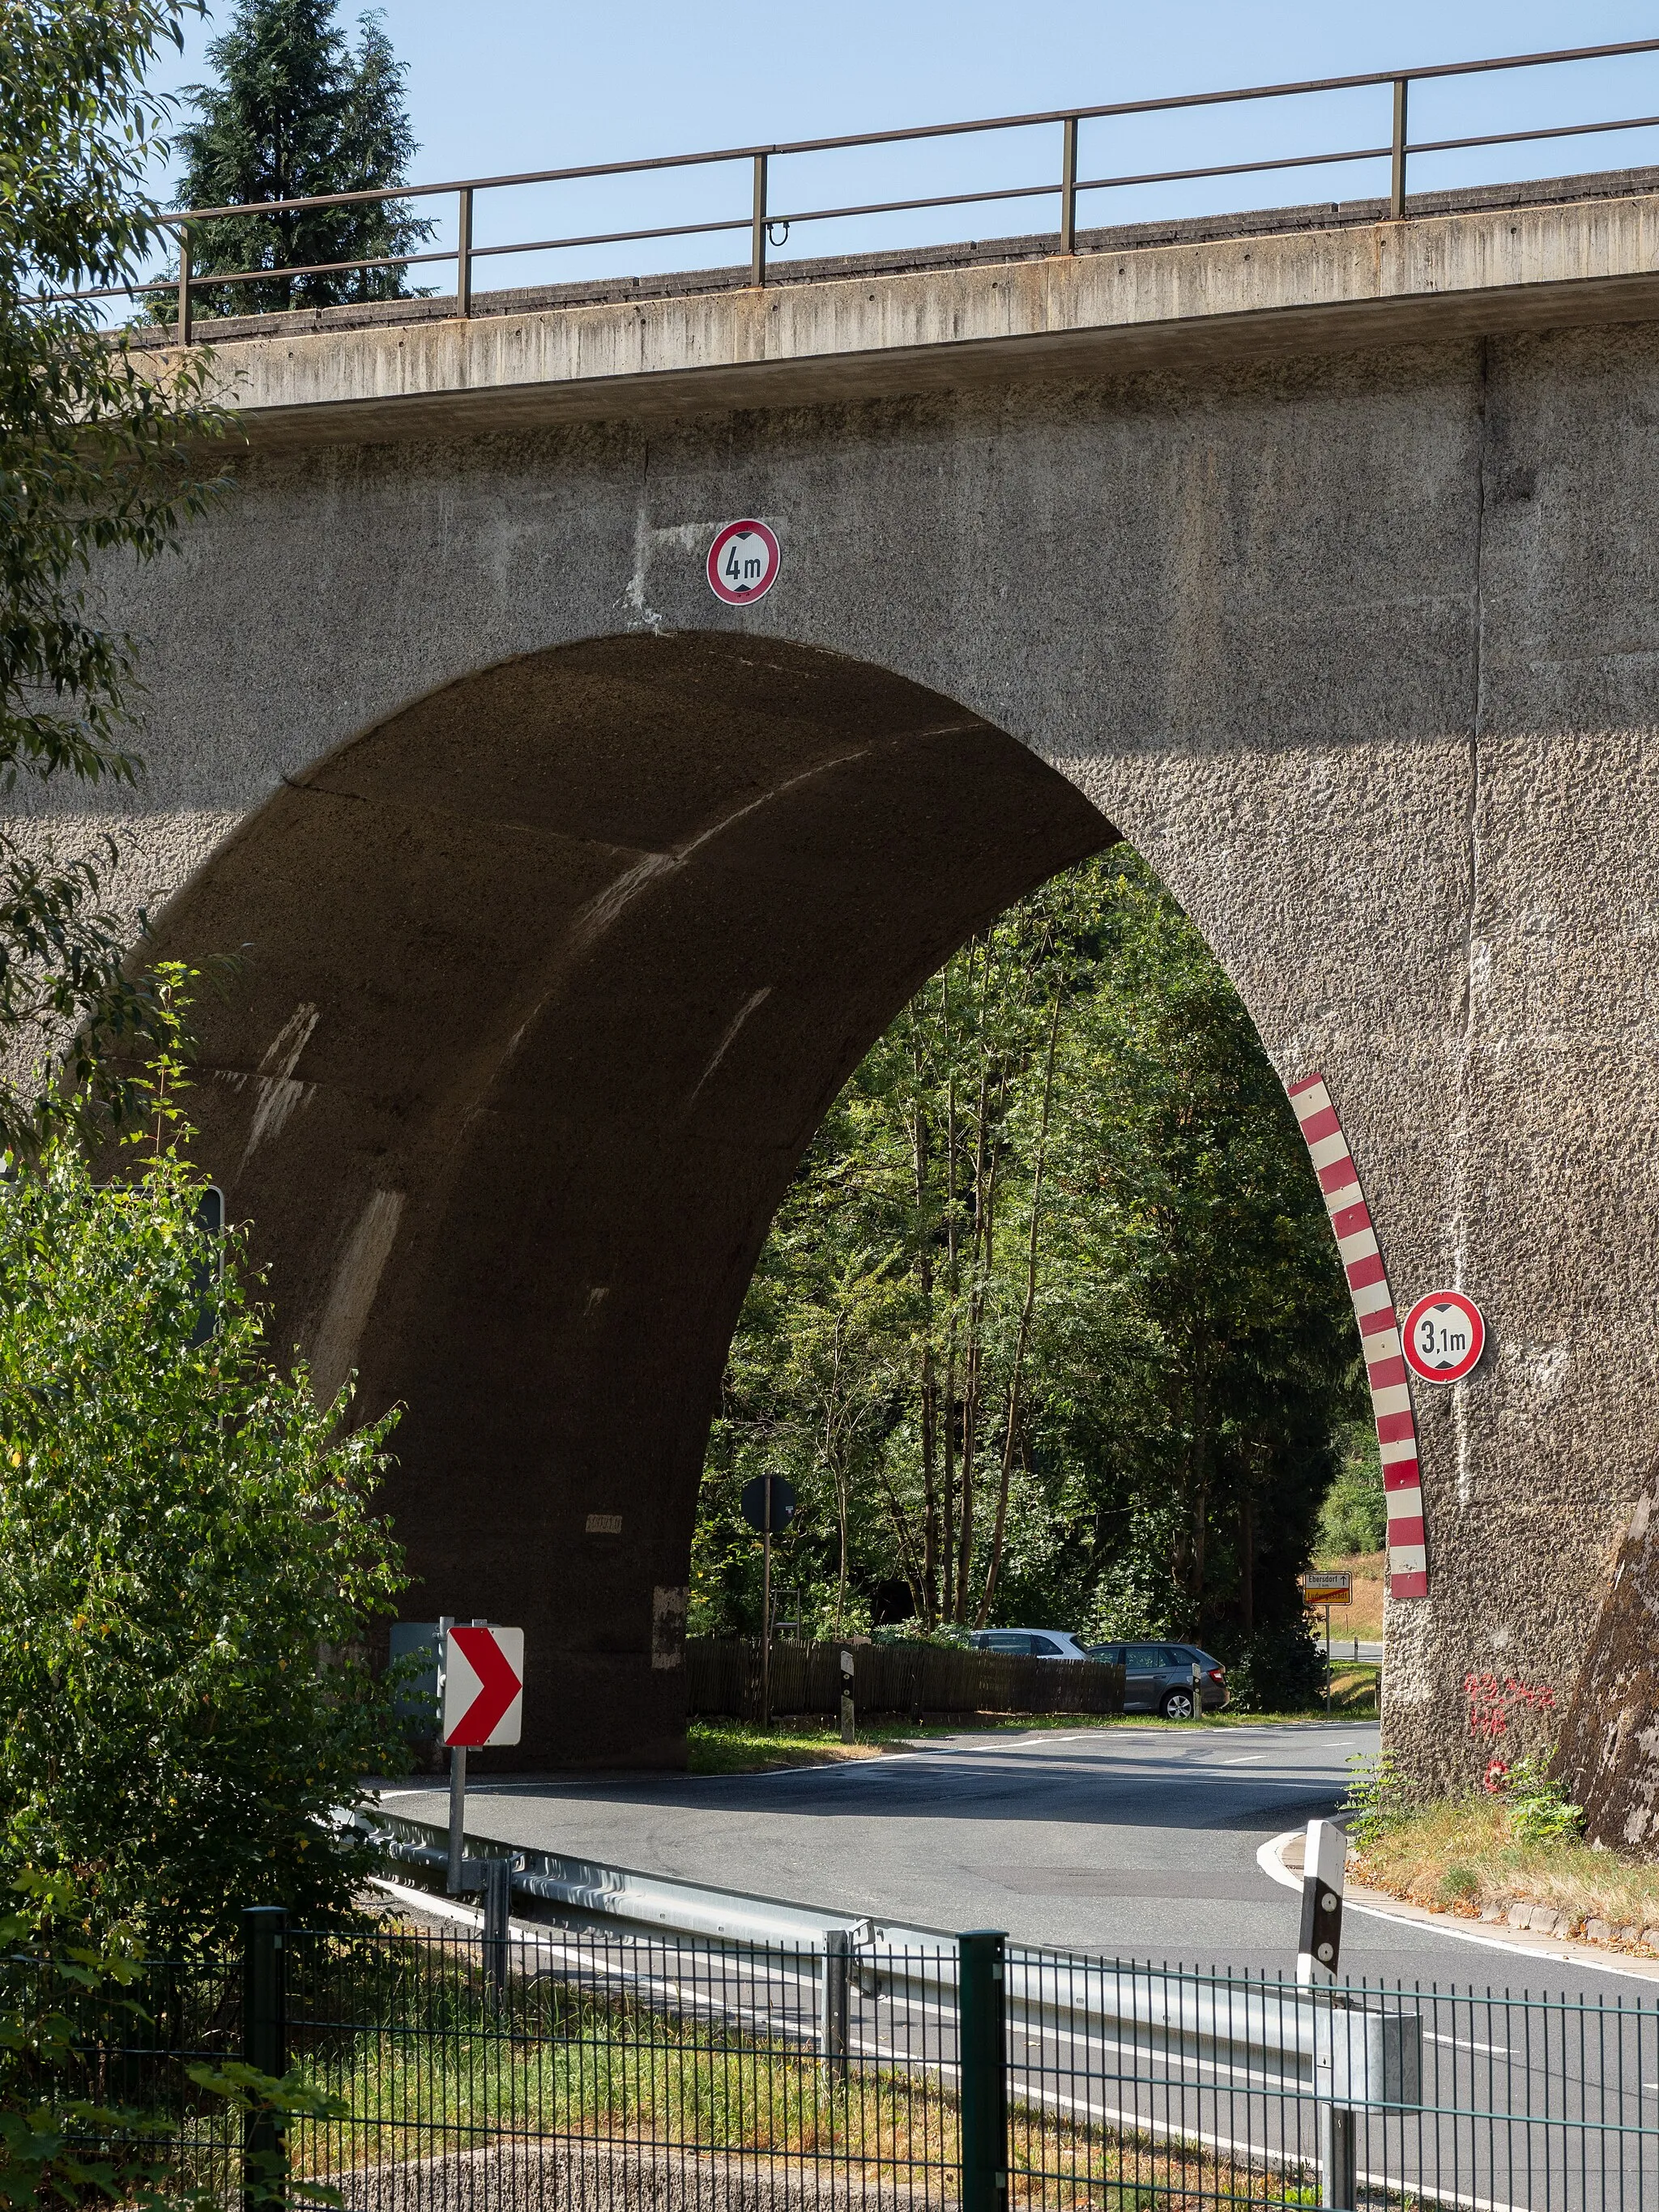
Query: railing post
[[264, 2044], [757, 248], [835, 2004], [184, 284], [1397, 195], [1338, 2164], [982, 2057], [1068, 187], [497, 1920], [463, 251]]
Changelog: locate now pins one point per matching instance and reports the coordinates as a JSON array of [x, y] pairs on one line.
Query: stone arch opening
[[549, 978]]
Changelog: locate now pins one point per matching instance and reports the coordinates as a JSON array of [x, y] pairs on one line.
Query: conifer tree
[[298, 112]]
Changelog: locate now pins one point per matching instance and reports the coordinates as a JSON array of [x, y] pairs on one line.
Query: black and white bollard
[[1323, 1867], [1319, 1954], [848, 1728]]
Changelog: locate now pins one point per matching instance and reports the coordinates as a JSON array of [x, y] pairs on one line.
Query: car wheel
[[1177, 1705]]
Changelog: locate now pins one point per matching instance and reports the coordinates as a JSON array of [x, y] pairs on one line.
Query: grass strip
[[428, 2062], [1464, 1856], [719, 1746]]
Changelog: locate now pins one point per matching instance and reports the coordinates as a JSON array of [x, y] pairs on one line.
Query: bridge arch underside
[[547, 981]]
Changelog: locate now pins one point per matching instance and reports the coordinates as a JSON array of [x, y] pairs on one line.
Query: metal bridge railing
[[763, 218]]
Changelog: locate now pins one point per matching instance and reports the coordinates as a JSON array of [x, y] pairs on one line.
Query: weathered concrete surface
[[1478, 269], [571, 895]]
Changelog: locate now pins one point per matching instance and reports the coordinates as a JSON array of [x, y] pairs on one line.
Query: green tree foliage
[[297, 113], [189, 1560], [1355, 1516], [67, 1994], [1050, 1324], [98, 459]]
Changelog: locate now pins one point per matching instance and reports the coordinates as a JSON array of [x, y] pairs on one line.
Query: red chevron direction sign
[[483, 1686]]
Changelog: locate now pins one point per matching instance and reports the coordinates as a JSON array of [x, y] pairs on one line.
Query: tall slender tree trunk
[[981, 1255], [1022, 1336], [928, 1590], [953, 1284]]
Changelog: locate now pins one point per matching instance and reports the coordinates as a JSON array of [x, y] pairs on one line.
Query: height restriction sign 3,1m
[[1443, 1336], [743, 562]]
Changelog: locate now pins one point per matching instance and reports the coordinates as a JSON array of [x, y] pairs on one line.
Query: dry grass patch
[[1465, 1856]]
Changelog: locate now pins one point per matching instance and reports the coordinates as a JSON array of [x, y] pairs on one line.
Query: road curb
[[1377, 1904]]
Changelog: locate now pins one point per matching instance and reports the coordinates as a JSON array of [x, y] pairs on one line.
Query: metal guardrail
[[763, 219], [1354, 2059]]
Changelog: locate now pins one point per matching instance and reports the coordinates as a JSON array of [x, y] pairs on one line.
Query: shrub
[[1377, 1800], [1535, 1806], [1280, 1668], [188, 1561]]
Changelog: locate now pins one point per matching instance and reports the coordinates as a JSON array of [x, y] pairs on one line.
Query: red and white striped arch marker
[[1379, 1332], [483, 1686]]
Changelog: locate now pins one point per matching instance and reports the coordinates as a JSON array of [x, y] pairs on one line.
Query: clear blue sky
[[501, 85]]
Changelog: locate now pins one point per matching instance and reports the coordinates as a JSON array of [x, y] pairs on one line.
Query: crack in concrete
[[1473, 962]]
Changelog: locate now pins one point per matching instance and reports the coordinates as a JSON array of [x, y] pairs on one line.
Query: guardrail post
[[983, 2058], [757, 247], [835, 2004], [463, 251], [264, 2044], [1068, 187], [184, 284], [1397, 193]]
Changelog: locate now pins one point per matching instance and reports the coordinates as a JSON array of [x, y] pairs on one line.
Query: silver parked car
[[1030, 1643], [1157, 1678]]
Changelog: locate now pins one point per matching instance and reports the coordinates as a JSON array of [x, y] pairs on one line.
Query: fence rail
[[765, 216], [724, 1677]]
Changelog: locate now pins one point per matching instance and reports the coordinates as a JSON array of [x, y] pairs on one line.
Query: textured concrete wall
[[1361, 651]]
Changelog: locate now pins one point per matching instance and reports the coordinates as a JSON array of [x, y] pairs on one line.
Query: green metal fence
[[622, 2069]]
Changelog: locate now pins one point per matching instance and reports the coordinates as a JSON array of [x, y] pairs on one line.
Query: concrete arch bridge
[[1317, 560]]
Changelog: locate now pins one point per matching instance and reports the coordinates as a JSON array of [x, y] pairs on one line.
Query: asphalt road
[[1140, 1845], [1136, 1842]]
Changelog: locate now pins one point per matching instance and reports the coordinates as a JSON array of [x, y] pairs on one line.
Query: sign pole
[[457, 1787], [457, 1816], [1328, 1663]]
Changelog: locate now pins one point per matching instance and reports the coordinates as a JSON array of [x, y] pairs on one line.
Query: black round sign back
[[768, 1489]]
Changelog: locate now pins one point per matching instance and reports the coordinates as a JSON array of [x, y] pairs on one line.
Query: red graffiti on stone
[[1492, 1702]]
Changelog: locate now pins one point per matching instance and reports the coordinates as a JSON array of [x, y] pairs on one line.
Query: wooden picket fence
[[724, 1677]]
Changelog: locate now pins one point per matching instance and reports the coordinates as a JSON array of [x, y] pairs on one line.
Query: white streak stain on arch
[[351, 1297], [279, 1091]]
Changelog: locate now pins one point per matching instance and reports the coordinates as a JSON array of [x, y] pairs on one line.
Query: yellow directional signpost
[[1327, 1589]]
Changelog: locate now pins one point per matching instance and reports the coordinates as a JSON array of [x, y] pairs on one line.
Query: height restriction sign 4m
[[1442, 1336], [743, 562]]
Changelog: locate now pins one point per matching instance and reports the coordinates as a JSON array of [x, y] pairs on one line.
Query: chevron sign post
[[483, 1704], [483, 1686]]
